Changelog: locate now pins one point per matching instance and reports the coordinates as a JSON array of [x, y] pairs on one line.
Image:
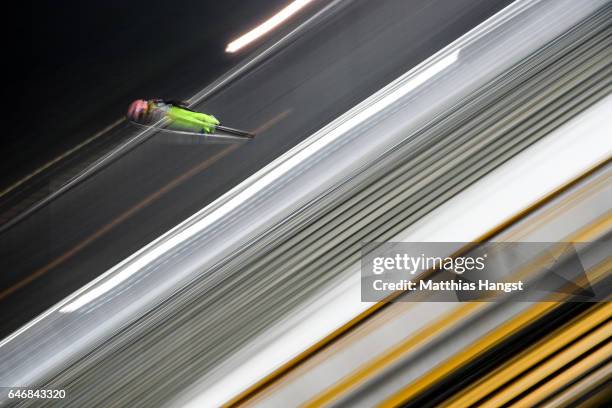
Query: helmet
[[137, 109]]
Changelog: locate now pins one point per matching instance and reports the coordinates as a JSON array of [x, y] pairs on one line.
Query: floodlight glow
[[266, 26]]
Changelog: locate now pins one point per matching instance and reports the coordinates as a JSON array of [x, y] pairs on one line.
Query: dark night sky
[[71, 67]]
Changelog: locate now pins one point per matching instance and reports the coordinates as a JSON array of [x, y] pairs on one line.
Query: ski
[[235, 132]]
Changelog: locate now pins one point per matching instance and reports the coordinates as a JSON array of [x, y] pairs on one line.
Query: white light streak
[[266, 26]]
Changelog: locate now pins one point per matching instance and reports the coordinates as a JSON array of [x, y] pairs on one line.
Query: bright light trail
[[267, 25]]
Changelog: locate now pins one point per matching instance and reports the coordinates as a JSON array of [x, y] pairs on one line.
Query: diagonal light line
[[266, 26]]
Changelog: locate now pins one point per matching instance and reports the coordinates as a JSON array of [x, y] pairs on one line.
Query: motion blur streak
[[125, 274], [412, 349], [267, 26], [188, 313], [319, 65], [564, 149], [61, 157], [115, 280]]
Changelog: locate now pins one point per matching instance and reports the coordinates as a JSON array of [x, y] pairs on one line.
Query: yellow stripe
[[576, 391], [594, 186], [485, 343], [547, 368], [266, 382], [562, 337], [482, 345], [381, 363], [575, 371], [386, 359]]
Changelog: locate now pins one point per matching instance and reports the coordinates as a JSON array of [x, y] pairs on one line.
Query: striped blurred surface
[[501, 136]]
